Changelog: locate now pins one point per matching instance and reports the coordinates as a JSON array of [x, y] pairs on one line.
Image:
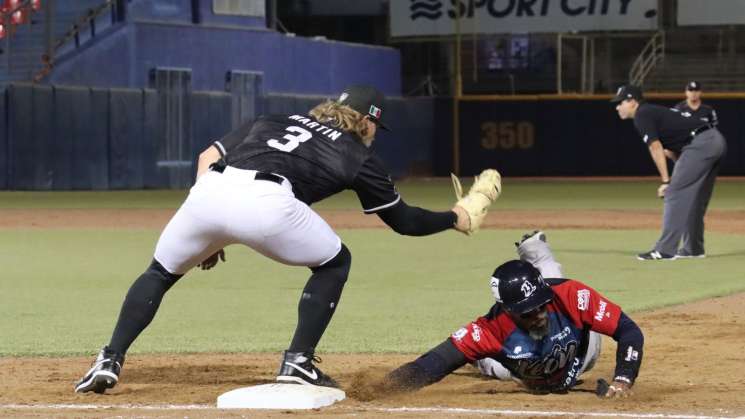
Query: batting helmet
[[520, 287]]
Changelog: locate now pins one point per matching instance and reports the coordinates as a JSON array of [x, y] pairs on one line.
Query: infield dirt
[[692, 362]]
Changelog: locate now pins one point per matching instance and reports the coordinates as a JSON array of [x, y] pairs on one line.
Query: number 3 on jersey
[[293, 140]]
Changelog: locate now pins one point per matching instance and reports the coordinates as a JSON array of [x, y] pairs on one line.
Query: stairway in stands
[[708, 58], [22, 53]]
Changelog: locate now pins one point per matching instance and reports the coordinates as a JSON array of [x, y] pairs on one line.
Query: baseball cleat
[[104, 373], [297, 367], [654, 255], [685, 254], [529, 237]]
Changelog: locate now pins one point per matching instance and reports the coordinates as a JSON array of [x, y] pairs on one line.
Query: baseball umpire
[[254, 187], [698, 149], [541, 333], [694, 106]]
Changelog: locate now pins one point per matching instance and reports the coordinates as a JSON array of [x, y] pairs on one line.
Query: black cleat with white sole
[[655, 255], [104, 373], [297, 367]]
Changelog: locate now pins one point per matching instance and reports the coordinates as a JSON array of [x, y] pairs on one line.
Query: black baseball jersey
[[705, 113], [672, 127], [319, 160]]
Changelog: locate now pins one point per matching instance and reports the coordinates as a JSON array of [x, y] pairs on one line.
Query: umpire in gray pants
[[698, 149]]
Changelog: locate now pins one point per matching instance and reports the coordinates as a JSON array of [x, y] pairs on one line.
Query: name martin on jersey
[[331, 133]]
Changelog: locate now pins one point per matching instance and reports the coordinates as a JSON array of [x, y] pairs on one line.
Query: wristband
[[622, 379], [666, 183]]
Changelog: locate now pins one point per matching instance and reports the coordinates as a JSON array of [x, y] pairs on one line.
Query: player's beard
[[539, 332]]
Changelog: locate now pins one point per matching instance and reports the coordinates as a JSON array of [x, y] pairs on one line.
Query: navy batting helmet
[[520, 287]]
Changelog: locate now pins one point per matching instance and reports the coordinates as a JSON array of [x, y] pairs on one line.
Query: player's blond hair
[[340, 116]]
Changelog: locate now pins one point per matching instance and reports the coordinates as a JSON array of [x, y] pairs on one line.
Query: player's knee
[[156, 270], [339, 263]]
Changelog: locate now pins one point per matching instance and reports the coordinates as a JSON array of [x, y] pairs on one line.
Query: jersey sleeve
[[588, 307], [374, 186], [478, 339], [646, 125], [232, 139]]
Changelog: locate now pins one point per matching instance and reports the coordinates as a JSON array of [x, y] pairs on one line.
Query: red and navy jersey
[[552, 362], [319, 160]]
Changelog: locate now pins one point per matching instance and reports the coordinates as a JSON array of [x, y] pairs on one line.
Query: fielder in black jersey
[[254, 187], [694, 107], [698, 148]]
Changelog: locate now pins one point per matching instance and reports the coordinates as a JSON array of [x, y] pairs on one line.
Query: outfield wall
[[570, 137], [72, 137]]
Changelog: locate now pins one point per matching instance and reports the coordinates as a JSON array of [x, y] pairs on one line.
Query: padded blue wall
[[3, 140], [65, 137], [68, 137]]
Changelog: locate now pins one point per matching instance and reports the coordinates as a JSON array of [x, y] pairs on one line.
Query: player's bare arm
[[206, 158]]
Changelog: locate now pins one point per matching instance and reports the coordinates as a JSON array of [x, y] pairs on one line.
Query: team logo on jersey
[[631, 354], [476, 333], [343, 97], [583, 299], [561, 335], [686, 114], [560, 358], [460, 333], [527, 289], [601, 311], [375, 111]]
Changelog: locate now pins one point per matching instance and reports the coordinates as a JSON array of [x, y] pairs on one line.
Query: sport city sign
[[437, 17]]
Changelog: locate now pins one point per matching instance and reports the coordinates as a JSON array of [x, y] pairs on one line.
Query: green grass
[[61, 290], [434, 193]]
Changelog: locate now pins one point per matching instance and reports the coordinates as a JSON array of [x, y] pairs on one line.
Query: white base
[[280, 396]]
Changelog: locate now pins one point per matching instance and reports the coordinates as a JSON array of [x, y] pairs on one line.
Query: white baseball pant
[[232, 207]]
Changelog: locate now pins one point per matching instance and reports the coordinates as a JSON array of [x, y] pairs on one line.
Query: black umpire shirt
[[319, 160], [705, 113], [669, 125]]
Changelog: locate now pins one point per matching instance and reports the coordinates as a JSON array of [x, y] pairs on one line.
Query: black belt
[[701, 129], [271, 177], [220, 166]]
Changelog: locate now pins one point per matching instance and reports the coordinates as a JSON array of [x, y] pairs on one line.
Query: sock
[[319, 301]]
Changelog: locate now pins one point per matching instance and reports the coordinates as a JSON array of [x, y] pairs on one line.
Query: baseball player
[[254, 187], [543, 332], [695, 107], [698, 149]]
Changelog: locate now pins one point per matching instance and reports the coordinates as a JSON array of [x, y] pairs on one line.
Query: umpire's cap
[[519, 286], [366, 100], [628, 91]]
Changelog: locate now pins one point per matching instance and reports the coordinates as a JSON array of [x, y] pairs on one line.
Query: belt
[[271, 177], [220, 166], [701, 129]]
